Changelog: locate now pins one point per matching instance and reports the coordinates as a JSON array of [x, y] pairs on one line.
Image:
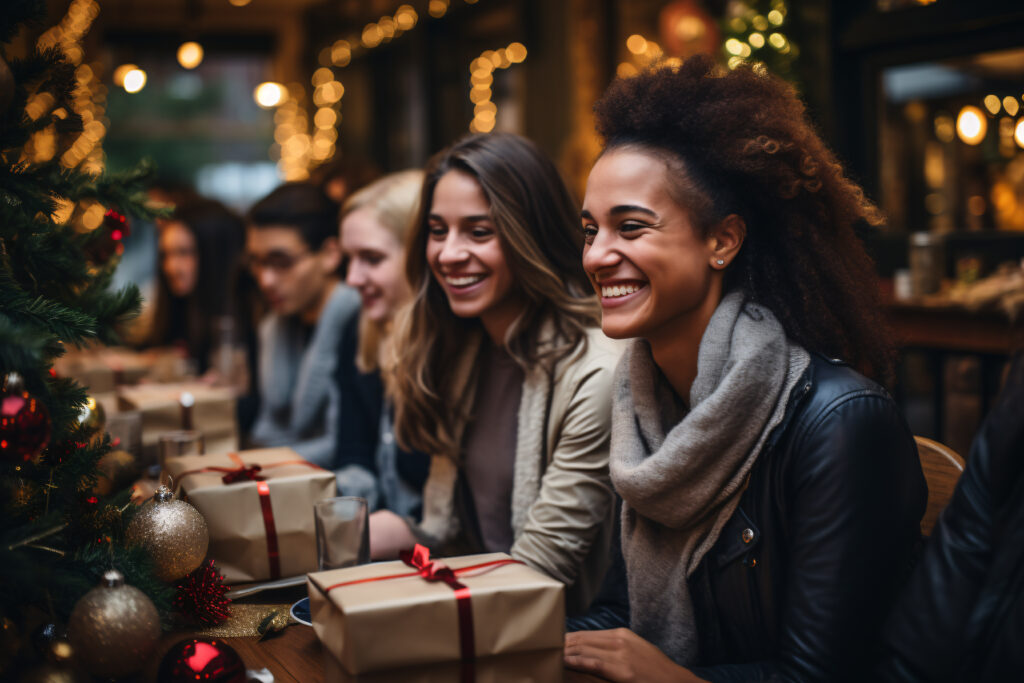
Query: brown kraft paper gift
[[399, 622], [542, 666], [213, 414], [237, 512]]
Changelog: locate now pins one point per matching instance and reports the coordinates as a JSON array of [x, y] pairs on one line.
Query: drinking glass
[[342, 532], [176, 444]]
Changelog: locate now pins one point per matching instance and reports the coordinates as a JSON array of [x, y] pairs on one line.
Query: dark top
[[961, 617], [490, 447], [362, 402], [798, 584]]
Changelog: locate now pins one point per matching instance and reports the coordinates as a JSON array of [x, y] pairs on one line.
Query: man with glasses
[[293, 254]]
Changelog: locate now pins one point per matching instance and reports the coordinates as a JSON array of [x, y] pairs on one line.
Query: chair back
[[942, 468]]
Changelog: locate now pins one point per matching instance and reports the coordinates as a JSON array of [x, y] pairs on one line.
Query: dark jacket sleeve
[[854, 496], [361, 404], [933, 633]]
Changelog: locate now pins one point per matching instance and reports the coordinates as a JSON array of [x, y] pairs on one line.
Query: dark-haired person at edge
[[374, 223], [501, 373], [771, 492], [198, 249], [293, 254], [961, 616]]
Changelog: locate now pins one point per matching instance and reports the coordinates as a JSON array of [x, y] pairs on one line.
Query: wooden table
[[938, 328], [296, 656]]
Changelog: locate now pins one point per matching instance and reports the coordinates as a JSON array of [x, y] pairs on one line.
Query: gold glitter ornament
[[173, 532], [113, 628], [93, 417]]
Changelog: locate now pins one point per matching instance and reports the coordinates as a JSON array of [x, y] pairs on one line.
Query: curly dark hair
[[739, 142]]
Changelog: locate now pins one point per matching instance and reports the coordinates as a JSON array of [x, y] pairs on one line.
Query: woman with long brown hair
[[771, 492], [501, 373]]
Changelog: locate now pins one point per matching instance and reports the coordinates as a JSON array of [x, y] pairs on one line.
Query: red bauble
[[110, 237], [24, 422], [210, 660]]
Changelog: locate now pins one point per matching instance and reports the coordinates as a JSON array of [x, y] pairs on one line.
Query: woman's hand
[[622, 656], [389, 534]]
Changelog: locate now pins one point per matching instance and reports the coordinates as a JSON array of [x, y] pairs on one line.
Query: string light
[[754, 31], [992, 103], [437, 8], [134, 80], [481, 69], [269, 94], [1011, 105], [643, 50], [190, 54], [971, 125], [87, 100]]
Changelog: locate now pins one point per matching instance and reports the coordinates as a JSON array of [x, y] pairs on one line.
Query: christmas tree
[[757, 32], [60, 226]]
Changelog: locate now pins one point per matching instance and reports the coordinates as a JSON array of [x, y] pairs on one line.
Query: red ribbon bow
[[243, 473]]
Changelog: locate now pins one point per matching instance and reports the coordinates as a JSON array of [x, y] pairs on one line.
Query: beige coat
[[562, 500]]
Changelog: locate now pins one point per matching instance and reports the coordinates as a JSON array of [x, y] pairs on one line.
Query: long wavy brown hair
[[740, 142], [536, 220]]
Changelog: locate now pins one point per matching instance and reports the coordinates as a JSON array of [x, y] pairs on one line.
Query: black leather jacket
[[800, 580], [961, 617]]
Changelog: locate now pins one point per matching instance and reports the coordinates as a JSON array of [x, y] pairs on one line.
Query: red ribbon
[[432, 570], [273, 556]]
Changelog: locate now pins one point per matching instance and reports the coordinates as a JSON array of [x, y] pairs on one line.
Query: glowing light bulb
[[190, 54], [971, 125], [269, 94], [135, 80]]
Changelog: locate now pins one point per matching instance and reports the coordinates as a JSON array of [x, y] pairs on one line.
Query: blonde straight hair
[[394, 202], [537, 221]]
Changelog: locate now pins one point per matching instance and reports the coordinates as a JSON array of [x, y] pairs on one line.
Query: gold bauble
[[113, 628], [173, 532], [93, 417]]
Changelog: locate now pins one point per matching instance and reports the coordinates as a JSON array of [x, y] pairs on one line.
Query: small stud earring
[[720, 262]]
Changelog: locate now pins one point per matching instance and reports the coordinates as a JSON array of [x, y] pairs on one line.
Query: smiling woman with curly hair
[[771, 492]]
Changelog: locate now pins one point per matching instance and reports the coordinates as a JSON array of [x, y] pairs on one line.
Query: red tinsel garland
[[200, 598]]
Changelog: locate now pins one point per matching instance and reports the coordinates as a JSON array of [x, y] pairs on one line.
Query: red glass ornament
[[110, 237], [24, 422], [201, 659]]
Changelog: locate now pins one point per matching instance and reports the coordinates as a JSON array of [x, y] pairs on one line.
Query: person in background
[[374, 222], [293, 254], [500, 371], [961, 615], [771, 492], [199, 249]]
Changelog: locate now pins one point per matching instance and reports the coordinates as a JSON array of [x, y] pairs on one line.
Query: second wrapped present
[[419, 611]]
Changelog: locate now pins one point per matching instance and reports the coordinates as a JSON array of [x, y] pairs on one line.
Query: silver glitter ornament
[[113, 628], [173, 532]]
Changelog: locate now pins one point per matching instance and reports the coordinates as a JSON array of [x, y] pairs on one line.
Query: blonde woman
[[502, 374], [374, 222]]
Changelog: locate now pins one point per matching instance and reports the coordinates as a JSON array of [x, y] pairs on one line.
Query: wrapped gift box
[[262, 527], [102, 369], [212, 413], [381, 617], [544, 666]]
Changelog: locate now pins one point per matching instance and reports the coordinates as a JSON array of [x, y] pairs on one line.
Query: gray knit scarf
[[681, 479]]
